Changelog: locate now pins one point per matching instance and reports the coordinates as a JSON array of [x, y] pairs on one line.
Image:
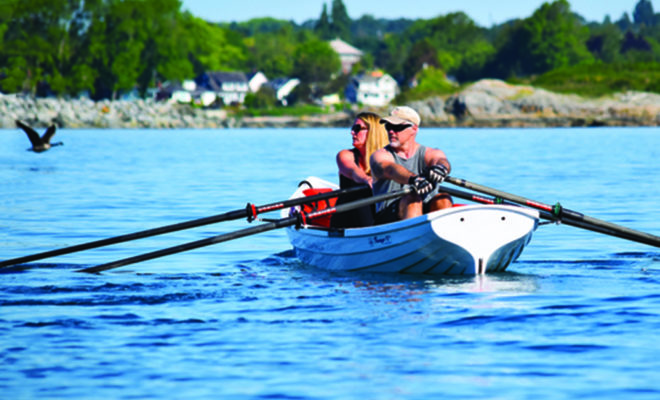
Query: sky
[[483, 12]]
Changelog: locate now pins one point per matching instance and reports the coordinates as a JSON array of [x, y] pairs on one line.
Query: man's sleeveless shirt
[[414, 164]]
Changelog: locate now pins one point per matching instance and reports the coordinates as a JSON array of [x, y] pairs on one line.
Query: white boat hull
[[463, 240]]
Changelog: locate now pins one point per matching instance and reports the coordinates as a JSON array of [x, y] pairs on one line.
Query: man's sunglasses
[[358, 128], [396, 128]]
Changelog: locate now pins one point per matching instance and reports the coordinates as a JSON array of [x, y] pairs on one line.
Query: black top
[[359, 217]]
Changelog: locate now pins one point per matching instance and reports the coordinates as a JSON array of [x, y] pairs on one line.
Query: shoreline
[[485, 104]]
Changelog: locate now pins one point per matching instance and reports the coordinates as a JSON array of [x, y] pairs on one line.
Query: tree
[[422, 55], [315, 63], [265, 98], [323, 28], [165, 53], [273, 54], [341, 22], [605, 42], [624, 23], [212, 47], [36, 46], [643, 13], [551, 38], [458, 45]]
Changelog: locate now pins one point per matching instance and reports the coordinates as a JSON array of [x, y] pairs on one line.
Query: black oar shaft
[[564, 215], [249, 211], [193, 245], [124, 238], [284, 222]]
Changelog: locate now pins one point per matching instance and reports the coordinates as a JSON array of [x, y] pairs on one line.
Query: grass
[[295, 111], [594, 80]]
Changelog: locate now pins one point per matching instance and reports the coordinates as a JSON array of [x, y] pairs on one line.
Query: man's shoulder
[[428, 148], [382, 152]]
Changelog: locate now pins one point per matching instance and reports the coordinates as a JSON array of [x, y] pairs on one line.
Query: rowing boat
[[462, 240]]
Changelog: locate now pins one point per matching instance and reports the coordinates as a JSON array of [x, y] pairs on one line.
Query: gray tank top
[[414, 164]]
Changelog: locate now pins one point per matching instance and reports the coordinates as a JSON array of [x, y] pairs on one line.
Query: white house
[[231, 87], [372, 89], [255, 80], [175, 92], [348, 54], [283, 88]]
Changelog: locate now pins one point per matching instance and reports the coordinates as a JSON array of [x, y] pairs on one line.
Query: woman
[[368, 135]]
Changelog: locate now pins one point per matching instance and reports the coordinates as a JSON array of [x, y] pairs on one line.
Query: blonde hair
[[376, 137]]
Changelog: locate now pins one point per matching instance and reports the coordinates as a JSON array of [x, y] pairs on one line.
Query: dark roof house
[[231, 87]]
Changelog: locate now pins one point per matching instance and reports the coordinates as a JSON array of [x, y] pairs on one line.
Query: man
[[404, 161]]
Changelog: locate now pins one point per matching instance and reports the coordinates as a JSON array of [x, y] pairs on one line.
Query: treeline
[[107, 47]]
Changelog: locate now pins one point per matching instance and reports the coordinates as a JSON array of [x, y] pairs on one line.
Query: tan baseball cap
[[402, 115]]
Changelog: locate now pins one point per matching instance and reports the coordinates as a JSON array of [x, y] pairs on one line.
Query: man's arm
[[436, 157], [437, 165], [384, 167]]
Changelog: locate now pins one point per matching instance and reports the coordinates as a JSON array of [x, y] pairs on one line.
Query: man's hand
[[420, 184], [436, 173]]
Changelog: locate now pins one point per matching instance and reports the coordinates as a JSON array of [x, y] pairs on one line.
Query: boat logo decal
[[380, 240]]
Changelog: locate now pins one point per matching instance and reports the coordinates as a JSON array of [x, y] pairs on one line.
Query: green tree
[[422, 55], [256, 26], [265, 98], [315, 63], [341, 22], [552, 37], [605, 42], [273, 52], [36, 44], [214, 48], [624, 23], [125, 39], [164, 56], [453, 36], [323, 28], [643, 13]]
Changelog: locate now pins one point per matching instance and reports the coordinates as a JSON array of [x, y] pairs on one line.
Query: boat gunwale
[[411, 223]]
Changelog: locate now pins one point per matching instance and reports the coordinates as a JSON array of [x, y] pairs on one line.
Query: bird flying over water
[[39, 144]]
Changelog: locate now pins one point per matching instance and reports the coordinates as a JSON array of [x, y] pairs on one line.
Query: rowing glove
[[420, 184], [436, 173]]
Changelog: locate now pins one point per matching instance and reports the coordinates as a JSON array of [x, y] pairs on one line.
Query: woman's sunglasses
[[358, 128], [396, 128]]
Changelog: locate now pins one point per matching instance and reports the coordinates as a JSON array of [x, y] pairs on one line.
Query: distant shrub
[[431, 82]]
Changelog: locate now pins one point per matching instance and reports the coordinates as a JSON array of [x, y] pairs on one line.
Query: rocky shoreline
[[487, 103]]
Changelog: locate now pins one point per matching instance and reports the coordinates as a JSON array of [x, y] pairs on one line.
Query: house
[[283, 88], [230, 87], [255, 80], [372, 89], [348, 54], [175, 92]]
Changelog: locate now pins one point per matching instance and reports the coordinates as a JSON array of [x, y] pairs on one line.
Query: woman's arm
[[348, 168]]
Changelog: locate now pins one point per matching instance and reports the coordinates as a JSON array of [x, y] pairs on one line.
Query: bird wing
[[49, 134], [32, 135]]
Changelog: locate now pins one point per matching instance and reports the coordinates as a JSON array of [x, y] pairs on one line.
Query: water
[[578, 316]]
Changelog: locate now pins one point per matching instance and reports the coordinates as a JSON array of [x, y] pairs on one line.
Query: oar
[[564, 215], [298, 219], [250, 212]]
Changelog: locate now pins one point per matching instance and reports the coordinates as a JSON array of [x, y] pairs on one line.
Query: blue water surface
[[576, 317]]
